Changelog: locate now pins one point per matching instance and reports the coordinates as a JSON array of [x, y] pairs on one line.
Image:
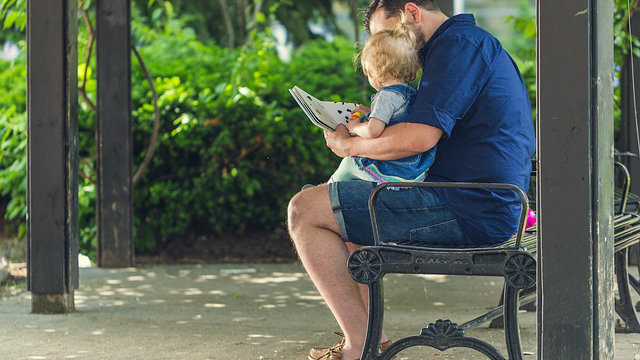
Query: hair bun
[[403, 30]]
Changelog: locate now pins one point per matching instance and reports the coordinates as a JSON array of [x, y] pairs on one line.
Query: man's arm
[[396, 142]]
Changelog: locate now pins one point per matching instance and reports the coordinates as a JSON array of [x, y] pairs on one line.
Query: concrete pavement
[[238, 312]]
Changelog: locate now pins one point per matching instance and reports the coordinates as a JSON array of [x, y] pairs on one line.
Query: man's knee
[[310, 207], [295, 212]]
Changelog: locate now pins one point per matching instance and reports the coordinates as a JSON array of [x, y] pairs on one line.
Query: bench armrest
[[626, 154], [626, 185], [460, 185]]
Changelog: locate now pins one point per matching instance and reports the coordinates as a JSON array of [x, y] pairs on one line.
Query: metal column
[[575, 184], [114, 200], [52, 201]]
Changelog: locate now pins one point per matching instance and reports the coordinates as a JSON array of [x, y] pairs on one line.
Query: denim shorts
[[418, 215]]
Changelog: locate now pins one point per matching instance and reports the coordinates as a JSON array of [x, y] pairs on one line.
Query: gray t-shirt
[[386, 104]]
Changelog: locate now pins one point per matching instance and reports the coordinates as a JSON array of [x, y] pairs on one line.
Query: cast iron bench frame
[[515, 264], [623, 242]]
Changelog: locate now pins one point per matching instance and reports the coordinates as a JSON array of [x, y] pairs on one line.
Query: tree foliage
[[232, 146]]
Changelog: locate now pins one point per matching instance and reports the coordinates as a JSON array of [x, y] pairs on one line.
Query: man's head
[[423, 15]]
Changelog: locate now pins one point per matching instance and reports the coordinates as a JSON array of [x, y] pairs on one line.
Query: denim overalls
[[413, 168]]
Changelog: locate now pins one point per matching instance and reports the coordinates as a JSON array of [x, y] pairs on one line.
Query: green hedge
[[233, 145]]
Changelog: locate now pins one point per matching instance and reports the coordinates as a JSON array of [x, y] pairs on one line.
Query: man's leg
[[314, 231], [364, 291]]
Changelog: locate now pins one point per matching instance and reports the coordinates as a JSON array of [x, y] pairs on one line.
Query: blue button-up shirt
[[474, 92]]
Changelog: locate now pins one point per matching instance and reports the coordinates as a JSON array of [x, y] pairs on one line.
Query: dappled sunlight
[[205, 278], [275, 278], [214, 305], [192, 291], [294, 341], [309, 295], [438, 279]]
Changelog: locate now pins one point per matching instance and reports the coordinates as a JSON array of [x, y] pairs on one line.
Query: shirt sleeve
[[384, 105], [455, 71]]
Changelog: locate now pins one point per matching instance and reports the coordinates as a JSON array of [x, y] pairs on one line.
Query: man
[[472, 104]]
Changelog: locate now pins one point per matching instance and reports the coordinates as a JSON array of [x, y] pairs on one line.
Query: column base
[[52, 303]]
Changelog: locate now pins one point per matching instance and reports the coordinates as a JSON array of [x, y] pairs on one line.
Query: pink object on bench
[[531, 218]]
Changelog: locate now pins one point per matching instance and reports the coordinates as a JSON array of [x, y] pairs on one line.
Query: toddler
[[389, 59]]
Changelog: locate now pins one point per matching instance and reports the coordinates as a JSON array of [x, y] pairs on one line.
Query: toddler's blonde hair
[[391, 54]]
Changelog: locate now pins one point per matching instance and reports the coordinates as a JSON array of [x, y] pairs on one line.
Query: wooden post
[[52, 200], [115, 188], [575, 179]]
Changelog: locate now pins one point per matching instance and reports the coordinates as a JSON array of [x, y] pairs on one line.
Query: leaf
[[10, 19], [157, 13], [169, 9]]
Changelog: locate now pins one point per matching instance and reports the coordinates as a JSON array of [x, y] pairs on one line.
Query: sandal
[[334, 352]]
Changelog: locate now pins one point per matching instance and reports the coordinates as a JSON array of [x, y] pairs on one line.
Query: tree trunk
[[242, 12], [231, 36], [356, 20]]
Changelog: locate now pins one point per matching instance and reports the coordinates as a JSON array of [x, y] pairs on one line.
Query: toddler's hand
[[363, 109], [354, 122], [357, 115]]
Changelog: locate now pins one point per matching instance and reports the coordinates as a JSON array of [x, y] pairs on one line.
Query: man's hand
[[338, 141]]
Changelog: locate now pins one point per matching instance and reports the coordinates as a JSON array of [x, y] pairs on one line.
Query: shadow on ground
[[237, 312]]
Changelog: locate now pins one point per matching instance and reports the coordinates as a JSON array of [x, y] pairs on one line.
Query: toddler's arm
[[369, 129], [383, 106]]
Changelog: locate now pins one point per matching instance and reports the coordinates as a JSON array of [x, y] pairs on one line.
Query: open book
[[324, 114]]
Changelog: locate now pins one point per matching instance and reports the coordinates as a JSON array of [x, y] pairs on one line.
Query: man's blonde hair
[[391, 54]]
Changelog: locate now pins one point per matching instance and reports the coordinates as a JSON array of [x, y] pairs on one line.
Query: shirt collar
[[461, 18]]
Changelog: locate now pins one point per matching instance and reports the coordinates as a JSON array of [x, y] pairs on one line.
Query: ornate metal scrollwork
[[364, 266], [520, 271], [442, 330]]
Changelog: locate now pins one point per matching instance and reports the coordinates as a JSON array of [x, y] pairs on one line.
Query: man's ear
[[412, 12]]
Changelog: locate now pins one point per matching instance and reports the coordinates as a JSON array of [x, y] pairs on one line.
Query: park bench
[[625, 202], [515, 261]]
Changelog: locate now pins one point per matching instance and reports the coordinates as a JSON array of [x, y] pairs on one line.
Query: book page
[[340, 112], [324, 114], [311, 109]]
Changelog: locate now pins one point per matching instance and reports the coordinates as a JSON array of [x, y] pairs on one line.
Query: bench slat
[[626, 234]]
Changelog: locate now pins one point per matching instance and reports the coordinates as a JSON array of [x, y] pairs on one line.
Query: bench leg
[[636, 282], [376, 319], [624, 305], [530, 306], [512, 323]]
